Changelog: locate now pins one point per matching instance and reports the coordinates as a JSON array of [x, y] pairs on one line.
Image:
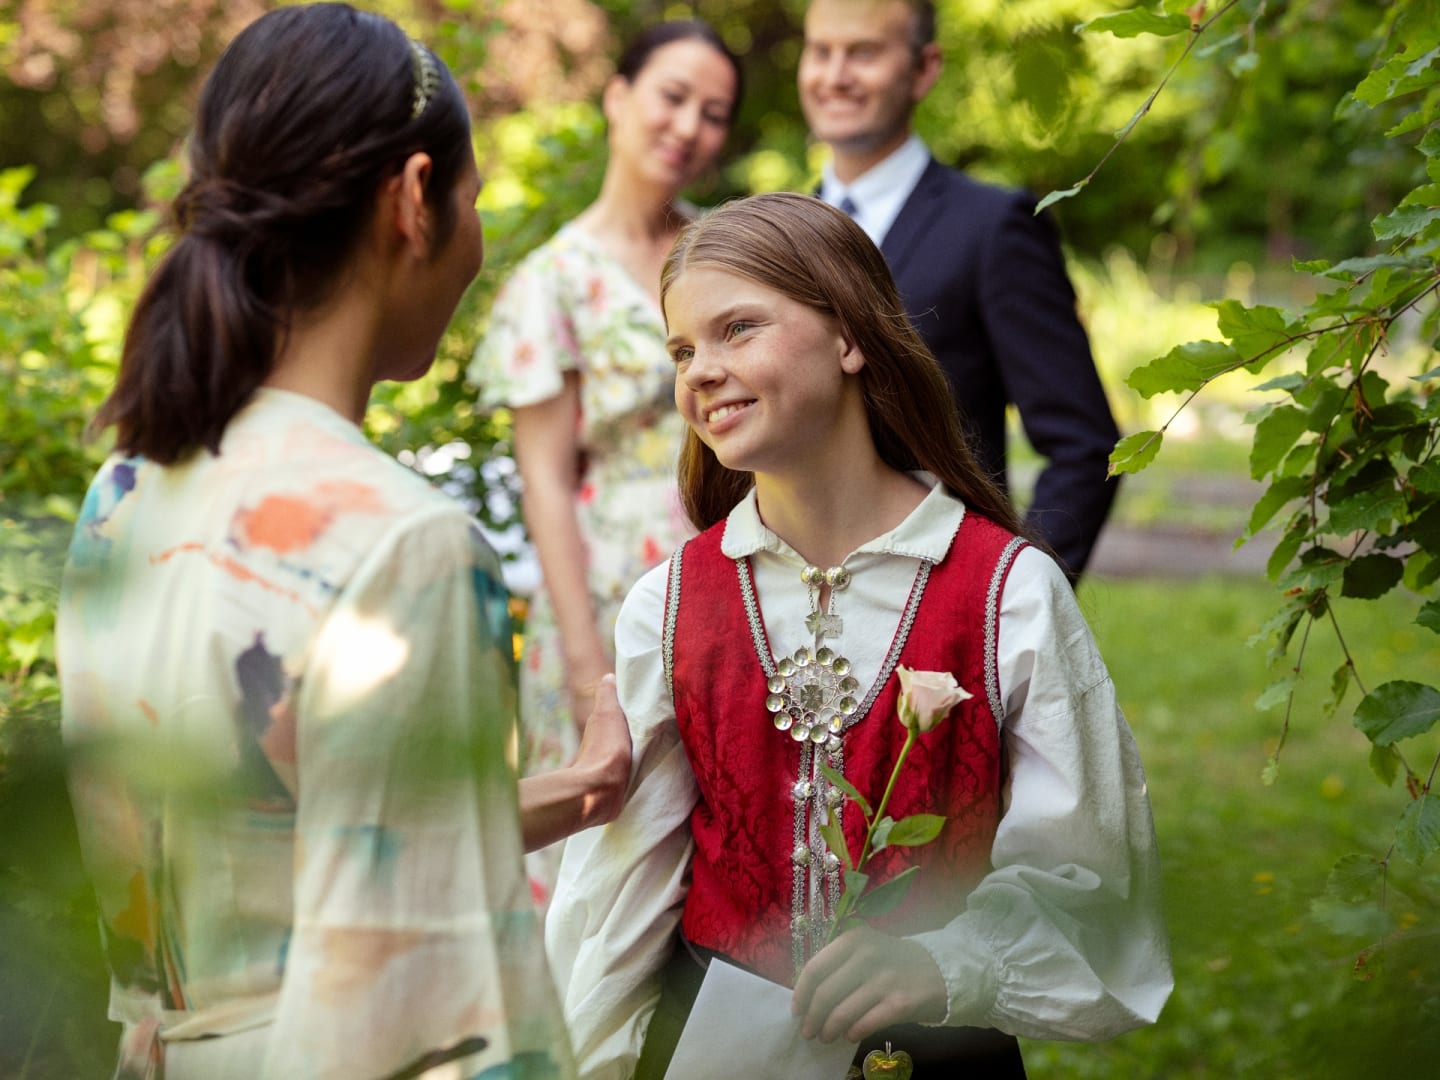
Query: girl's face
[[762, 379], [671, 121]]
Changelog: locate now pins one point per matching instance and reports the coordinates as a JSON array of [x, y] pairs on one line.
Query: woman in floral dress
[[284, 657], [575, 347]]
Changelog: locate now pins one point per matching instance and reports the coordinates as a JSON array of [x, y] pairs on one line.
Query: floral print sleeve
[[531, 340]]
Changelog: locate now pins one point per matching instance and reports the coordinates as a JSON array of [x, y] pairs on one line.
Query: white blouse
[[1063, 939]]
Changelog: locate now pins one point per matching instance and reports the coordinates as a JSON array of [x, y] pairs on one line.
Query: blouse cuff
[[970, 970]]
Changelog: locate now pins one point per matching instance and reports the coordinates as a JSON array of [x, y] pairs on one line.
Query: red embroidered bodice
[[747, 880]]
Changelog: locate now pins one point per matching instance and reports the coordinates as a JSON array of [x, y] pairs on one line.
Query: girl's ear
[[412, 215], [851, 358]]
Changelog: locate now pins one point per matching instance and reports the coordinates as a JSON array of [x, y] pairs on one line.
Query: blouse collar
[[926, 533]]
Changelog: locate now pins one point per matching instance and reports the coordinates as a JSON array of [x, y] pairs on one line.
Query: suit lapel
[[915, 218]]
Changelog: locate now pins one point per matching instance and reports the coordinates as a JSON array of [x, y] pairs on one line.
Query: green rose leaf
[[885, 898], [836, 778], [880, 839], [835, 841], [1397, 710], [916, 829], [1418, 834]]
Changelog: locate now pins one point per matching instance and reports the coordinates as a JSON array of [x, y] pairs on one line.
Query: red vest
[[753, 896]]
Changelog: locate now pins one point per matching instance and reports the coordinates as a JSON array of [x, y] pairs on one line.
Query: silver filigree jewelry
[[427, 78], [812, 693]]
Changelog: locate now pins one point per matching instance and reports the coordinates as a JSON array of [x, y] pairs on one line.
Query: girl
[[848, 531], [284, 656], [575, 347]]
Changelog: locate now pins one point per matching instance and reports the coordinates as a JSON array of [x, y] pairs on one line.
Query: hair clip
[[427, 78]]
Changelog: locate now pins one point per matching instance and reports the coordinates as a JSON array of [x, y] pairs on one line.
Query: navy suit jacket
[[983, 280]]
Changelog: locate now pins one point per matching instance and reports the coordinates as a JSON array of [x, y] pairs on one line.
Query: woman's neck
[[327, 355], [826, 517]]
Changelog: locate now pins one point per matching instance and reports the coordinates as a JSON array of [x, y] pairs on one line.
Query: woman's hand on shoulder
[[866, 980]]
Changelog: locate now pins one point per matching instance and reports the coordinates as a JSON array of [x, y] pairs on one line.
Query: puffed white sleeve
[[611, 926], [1065, 937]]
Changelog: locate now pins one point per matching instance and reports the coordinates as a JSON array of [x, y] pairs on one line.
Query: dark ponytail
[[307, 112]]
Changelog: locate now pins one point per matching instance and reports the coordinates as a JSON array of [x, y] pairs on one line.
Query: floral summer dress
[[287, 688], [571, 307]]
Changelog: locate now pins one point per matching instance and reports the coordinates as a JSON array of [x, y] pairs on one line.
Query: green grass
[[1263, 987]]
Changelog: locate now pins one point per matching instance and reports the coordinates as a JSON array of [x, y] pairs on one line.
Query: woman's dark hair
[[816, 255], [644, 44], [306, 113]]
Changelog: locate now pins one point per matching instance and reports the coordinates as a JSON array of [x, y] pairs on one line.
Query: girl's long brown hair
[[816, 255]]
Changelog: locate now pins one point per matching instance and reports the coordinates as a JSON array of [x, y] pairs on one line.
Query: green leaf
[[1404, 221], [1257, 333], [1276, 496], [1271, 772], [1185, 367], [1134, 452], [1309, 266], [1137, 21], [1277, 692], [1425, 478], [835, 840], [916, 829], [1339, 683], [880, 838], [855, 883], [1372, 576], [1425, 530], [1055, 196], [1320, 567], [1286, 548], [1354, 878], [838, 779], [1274, 436], [1418, 834], [1429, 616], [1385, 763], [1397, 710], [1404, 74], [885, 898], [1350, 269]]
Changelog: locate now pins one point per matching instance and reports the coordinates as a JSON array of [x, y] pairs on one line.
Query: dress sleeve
[[611, 926], [1065, 937], [414, 938], [531, 340]]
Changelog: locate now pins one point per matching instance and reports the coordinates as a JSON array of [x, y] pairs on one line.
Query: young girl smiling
[[847, 531]]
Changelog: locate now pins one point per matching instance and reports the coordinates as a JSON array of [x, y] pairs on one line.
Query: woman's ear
[[617, 87], [414, 221]]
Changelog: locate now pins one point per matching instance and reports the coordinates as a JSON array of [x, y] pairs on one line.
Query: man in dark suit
[[982, 278]]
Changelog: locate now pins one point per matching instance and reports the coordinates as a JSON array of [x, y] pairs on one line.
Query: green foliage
[[1347, 445]]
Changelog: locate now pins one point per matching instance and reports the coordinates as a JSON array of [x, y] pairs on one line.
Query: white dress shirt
[[1063, 939], [880, 191]]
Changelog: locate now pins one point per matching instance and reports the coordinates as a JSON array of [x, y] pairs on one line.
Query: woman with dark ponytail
[[284, 657]]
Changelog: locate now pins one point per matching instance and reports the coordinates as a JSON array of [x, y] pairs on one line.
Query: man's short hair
[[923, 31]]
